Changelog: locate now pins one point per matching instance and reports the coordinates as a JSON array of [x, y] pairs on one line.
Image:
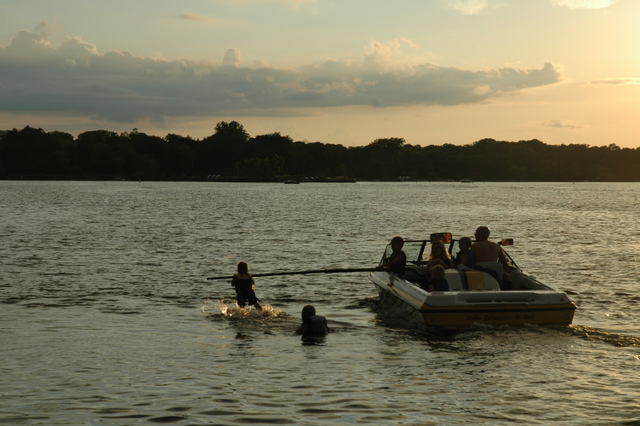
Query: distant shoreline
[[282, 180]]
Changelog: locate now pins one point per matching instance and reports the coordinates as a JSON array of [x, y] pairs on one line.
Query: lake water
[[106, 315]]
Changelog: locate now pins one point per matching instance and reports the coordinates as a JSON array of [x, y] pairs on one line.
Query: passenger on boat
[[485, 250], [398, 260], [465, 256], [312, 324], [438, 282], [244, 284], [438, 256]]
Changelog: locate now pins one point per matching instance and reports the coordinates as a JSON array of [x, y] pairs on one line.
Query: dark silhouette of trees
[[219, 153], [232, 154], [33, 152], [315, 159]]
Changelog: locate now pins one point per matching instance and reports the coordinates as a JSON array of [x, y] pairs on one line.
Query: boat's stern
[[468, 310]]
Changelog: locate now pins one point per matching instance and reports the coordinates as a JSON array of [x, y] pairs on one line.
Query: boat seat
[[470, 280], [494, 266], [477, 280], [454, 278]]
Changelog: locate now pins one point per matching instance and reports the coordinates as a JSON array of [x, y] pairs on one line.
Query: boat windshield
[[412, 249]]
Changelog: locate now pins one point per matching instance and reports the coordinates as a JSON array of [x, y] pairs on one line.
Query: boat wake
[[593, 334], [223, 309]]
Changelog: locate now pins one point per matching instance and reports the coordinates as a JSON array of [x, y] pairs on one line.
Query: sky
[[333, 71]]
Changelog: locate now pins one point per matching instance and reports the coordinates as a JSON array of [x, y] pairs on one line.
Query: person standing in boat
[[438, 256], [485, 250], [312, 324], [465, 256], [398, 260], [244, 284]]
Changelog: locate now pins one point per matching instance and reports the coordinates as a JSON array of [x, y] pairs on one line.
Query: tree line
[[232, 154]]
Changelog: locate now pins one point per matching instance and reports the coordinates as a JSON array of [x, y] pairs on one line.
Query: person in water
[[485, 250], [244, 284], [465, 256], [398, 260], [312, 324], [438, 256], [438, 282]]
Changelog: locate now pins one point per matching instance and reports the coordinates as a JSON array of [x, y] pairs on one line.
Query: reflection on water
[[107, 316], [593, 334]]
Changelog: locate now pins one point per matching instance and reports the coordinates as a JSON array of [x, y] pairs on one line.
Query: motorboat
[[487, 294]]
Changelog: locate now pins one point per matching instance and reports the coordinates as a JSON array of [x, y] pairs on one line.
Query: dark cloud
[[76, 79]]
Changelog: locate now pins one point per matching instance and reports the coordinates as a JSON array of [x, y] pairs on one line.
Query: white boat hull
[[470, 309]]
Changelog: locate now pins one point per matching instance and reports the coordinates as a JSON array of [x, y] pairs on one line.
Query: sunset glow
[[443, 71]]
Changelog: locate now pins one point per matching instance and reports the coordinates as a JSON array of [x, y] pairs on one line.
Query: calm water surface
[[106, 316]]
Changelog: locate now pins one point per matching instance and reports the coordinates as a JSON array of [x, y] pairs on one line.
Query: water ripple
[[107, 316]]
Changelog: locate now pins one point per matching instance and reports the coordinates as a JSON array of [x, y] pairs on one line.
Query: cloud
[[195, 17], [75, 78], [477, 7], [584, 4], [231, 58], [562, 124], [385, 56], [469, 7], [291, 3], [617, 82]]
